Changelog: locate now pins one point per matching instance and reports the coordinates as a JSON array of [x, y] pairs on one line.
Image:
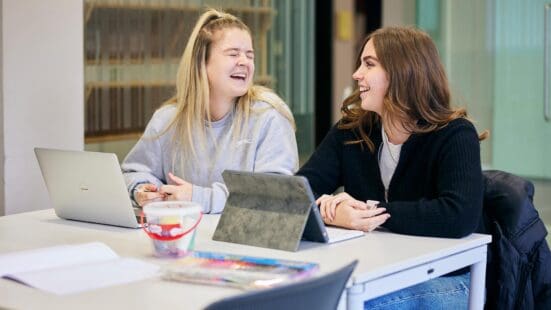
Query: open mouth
[[364, 89], [239, 76]]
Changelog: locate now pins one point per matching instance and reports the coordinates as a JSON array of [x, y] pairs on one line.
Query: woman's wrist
[[134, 190]]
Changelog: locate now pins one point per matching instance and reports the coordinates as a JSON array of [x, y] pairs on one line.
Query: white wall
[[42, 93], [398, 13], [2, 183], [344, 55], [467, 28]]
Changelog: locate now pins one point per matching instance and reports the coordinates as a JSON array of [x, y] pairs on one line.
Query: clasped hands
[[178, 190], [344, 211]]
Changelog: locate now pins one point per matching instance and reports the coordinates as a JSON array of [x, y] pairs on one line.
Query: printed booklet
[[245, 272]]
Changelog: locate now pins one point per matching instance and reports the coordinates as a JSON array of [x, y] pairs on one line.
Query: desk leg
[[354, 300], [343, 300], [478, 280]]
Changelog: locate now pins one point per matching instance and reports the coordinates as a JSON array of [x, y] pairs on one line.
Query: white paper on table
[[73, 268], [336, 234], [52, 257]]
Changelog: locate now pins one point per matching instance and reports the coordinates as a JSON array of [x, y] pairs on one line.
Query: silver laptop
[[87, 186]]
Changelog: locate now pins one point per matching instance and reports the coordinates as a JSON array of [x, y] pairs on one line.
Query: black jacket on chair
[[518, 273]]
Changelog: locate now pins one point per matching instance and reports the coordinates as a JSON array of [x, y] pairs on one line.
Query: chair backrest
[[508, 201], [517, 275], [321, 292]]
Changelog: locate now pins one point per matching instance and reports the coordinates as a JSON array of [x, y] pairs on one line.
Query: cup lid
[[171, 208]]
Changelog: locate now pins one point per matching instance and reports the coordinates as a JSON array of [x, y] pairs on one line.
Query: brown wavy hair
[[418, 94]]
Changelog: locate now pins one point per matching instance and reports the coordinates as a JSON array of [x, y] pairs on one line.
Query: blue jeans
[[440, 293]]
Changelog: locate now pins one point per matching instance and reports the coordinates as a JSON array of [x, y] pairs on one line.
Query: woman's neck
[[396, 133], [219, 108]]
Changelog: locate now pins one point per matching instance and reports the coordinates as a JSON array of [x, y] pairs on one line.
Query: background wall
[[344, 54], [41, 93], [398, 12], [465, 46], [2, 183]]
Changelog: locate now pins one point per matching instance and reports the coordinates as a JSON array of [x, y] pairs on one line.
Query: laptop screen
[[86, 186]]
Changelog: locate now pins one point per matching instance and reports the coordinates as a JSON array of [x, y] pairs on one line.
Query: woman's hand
[[181, 190], [328, 204], [348, 216], [344, 211], [145, 193]]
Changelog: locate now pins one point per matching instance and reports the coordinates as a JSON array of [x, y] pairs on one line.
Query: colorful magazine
[[245, 272]]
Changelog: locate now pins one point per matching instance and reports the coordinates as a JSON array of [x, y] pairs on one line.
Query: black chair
[[517, 274], [316, 293]]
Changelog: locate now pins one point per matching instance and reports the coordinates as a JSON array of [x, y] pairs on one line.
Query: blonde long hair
[[418, 86], [192, 88]]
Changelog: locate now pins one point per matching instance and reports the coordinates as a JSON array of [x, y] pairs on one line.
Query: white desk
[[387, 262]]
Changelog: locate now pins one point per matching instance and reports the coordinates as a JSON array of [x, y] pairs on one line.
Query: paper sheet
[[73, 268]]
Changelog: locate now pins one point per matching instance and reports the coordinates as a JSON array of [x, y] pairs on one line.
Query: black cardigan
[[436, 189]]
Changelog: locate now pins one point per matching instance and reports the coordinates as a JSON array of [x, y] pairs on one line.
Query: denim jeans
[[440, 293]]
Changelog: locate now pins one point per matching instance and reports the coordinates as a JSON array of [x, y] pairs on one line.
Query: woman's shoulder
[[162, 116], [164, 110], [461, 122], [459, 125], [343, 131], [264, 110], [262, 105], [457, 129]]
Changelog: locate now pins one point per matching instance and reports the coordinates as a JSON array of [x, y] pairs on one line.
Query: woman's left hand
[[329, 203], [181, 190], [352, 218]]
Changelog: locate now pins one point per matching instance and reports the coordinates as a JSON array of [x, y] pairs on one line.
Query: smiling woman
[[217, 120], [401, 143], [230, 68]]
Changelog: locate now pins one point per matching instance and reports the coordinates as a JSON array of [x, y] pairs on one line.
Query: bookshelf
[[132, 49]]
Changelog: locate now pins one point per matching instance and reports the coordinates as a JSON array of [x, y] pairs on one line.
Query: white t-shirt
[[389, 155]]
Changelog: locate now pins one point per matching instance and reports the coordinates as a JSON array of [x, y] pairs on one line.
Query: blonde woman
[[218, 120]]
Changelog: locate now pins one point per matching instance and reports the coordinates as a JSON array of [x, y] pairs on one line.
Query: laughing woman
[[218, 120], [401, 143]]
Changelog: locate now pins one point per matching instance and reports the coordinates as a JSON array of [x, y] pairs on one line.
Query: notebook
[[246, 272], [273, 211], [87, 186]]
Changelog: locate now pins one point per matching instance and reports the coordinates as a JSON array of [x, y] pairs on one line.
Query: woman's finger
[[176, 180], [323, 209], [147, 187], [169, 189], [358, 205], [332, 207], [144, 197], [322, 202], [376, 221], [372, 212], [322, 197]]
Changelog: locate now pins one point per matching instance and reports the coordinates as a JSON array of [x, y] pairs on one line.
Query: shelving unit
[[132, 50]]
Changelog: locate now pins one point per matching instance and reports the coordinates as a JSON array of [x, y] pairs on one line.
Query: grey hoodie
[[267, 144]]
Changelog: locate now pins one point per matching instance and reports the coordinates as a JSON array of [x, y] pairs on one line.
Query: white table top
[[379, 253]]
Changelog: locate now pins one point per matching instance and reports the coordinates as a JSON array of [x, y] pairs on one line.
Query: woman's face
[[230, 67], [372, 80]]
